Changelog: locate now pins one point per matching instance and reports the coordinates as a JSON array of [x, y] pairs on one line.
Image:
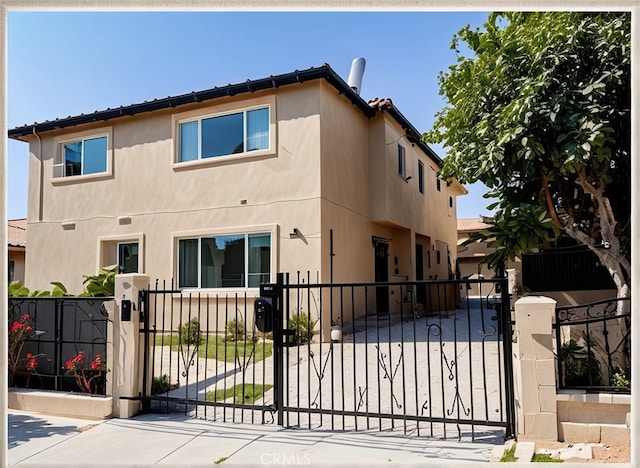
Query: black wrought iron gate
[[441, 368]]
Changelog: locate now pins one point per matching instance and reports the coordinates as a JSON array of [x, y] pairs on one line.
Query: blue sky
[[68, 63]]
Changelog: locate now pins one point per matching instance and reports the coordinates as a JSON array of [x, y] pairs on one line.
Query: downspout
[[41, 184]]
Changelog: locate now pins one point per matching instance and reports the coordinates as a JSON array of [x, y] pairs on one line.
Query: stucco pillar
[[534, 369], [126, 365]]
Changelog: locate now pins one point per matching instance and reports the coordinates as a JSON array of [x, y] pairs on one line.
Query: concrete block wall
[[541, 412]]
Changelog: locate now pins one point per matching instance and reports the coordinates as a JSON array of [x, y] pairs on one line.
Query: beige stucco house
[[471, 259], [221, 189], [17, 247]]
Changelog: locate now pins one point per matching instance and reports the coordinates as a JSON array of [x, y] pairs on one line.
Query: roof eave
[[249, 86]]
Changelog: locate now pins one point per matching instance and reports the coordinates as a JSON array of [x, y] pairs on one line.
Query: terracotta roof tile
[[471, 224], [17, 232]]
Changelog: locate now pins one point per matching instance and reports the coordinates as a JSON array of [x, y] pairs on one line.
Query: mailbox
[[125, 314], [263, 309]]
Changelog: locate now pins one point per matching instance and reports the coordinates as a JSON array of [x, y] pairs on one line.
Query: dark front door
[[382, 276]]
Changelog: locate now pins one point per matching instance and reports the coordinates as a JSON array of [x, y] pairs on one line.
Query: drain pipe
[[41, 185], [331, 254]]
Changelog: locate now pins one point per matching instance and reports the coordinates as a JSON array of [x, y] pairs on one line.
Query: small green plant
[[621, 378], [189, 333], [509, 455], [160, 384], [579, 366], [234, 330], [17, 289], [102, 284], [302, 325]]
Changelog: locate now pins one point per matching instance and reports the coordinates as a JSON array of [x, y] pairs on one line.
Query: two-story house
[[221, 189]]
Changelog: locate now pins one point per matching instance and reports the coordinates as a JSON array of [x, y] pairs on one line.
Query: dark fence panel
[[594, 346], [560, 270], [205, 356], [435, 368], [62, 327]]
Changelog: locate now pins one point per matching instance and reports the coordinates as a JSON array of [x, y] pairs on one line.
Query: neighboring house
[[17, 246], [221, 189], [471, 257]]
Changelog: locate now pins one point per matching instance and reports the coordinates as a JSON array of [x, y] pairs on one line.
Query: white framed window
[[227, 260], [402, 162], [421, 177], [224, 134], [82, 157]]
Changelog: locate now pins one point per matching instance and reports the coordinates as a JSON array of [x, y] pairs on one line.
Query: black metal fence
[[593, 344], [564, 270], [434, 363], [61, 329], [203, 353]]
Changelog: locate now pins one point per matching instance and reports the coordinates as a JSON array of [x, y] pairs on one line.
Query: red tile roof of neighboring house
[[17, 232], [471, 224]]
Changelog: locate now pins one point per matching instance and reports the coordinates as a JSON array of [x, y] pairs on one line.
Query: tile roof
[[250, 86], [17, 232], [471, 224]]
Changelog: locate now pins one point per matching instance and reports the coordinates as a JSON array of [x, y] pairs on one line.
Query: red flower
[[69, 365], [96, 364], [15, 327]]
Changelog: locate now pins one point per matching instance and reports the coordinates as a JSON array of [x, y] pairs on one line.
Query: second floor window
[[223, 135], [421, 177], [82, 157]]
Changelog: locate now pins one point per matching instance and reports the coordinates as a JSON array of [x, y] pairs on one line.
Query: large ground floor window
[[224, 261]]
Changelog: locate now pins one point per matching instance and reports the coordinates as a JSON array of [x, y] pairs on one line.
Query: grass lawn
[[215, 347], [247, 393]]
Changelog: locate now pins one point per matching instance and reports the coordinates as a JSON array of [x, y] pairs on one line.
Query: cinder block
[[593, 433], [574, 432], [541, 426], [615, 434], [547, 398], [546, 372]]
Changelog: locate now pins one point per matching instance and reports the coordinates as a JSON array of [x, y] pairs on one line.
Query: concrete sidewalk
[[178, 440]]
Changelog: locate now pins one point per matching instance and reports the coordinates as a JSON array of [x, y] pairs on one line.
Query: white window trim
[[138, 237], [59, 143], [217, 111], [272, 229]]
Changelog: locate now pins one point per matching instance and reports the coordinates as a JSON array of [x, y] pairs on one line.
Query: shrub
[[234, 330], [160, 384], [580, 368], [189, 333], [302, 325]]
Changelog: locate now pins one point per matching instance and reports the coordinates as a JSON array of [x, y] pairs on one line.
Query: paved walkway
[[177, 440]]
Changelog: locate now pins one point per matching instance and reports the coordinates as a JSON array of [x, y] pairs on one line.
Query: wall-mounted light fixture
[[124, 219], [407, 179], [68, 225], [295, 233]]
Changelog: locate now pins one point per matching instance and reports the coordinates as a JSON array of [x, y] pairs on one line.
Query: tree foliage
[[540, 113]]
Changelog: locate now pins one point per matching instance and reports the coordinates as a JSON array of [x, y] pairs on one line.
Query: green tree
[[540, 113]]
